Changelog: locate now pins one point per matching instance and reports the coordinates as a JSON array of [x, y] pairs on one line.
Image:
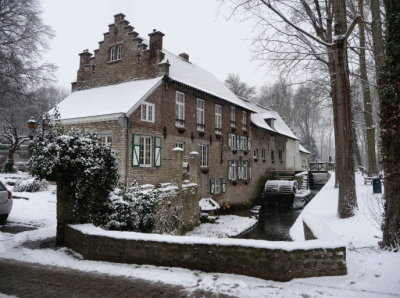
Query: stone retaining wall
[[280, 261]]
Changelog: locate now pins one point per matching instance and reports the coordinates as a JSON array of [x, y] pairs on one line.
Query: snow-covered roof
[[190, 74], [107, 100], [262, 113], [304, 150]]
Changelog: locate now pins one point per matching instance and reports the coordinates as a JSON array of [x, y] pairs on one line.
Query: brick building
[[147, 101]]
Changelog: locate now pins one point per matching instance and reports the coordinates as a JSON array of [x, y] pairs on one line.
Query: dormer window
[[270, 122]]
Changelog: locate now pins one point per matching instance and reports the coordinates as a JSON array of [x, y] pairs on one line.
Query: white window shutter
[[230, 170], [135, 150], [212, 186], [157, 152]]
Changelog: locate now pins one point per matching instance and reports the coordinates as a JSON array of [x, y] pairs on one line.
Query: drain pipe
[[127, 150]]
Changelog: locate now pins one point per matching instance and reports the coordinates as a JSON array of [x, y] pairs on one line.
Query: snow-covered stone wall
[[274, 260]]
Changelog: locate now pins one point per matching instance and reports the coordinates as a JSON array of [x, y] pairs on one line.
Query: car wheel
[[3, 218]]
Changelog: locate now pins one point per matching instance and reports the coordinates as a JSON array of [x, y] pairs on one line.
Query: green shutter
[[157, 151], [212, 186], [136, 150]]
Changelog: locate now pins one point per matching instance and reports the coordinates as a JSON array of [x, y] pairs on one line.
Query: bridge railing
[[322, 166]]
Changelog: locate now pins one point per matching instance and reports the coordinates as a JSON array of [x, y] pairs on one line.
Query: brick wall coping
[[89, 229]]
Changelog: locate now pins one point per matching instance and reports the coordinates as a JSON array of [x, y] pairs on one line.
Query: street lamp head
[[32, 123]]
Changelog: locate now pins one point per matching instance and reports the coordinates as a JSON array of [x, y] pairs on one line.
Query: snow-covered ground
[[371, 272]]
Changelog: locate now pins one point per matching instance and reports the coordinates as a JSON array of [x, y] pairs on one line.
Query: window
[[118, 52], [234, 169], [115, 53], [240, 169], [215, 185], [244, 143], [145, 151], [233, 117], [245, 169], [270, 122], [263, 154], [255, 153], [218, 119], [280, 155], [148, 112], [105, 140], [181, 145], [200, 115], [272, 156], [203, 155], [180, 109], [233, 136], [244, 121]]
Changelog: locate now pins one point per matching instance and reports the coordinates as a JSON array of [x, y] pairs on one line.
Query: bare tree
[[15, 114], [389, 91], [292, 23], [23, 38], [240, 88]]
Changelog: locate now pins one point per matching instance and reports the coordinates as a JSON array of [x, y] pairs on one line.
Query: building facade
[[147, 101]]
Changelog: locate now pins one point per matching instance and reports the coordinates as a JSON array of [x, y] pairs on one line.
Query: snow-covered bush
[[132, 210], [81, 166], [30, 185]]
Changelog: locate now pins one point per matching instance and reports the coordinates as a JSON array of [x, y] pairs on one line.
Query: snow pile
[[208, 204], [225, 226]]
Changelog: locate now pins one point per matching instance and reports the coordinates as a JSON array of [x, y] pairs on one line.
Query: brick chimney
[[85, 59], [156, 40], [184, 56], [119, 17]]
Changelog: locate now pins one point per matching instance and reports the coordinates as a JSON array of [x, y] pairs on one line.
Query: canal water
[[274, 223]]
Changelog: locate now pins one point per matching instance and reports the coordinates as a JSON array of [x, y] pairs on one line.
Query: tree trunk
[[372, 167], [65, 206], [389, 91], [377, 37], [345, 162]]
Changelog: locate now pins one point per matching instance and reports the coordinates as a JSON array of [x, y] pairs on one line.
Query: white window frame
[[218, 118], [181, 145], [105, 140], [217, 185], [244, 142], [148, 112], [245, 170], [255, 153], [233, 137], [145, 151], [244, 121], [200, 114], [119, 52], [234, 169], [112, 54], [179, 108], [204, 155], [233, 116]]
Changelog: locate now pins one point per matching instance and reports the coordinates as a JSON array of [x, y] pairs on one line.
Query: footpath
[[26, 280]]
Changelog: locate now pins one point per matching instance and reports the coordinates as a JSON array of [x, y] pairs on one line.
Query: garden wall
[[280, 261]]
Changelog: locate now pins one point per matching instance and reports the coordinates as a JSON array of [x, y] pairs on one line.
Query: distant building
[[146, 101]]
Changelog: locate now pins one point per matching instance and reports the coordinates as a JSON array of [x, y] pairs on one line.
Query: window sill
[[143, 120], [147, 167], [115, 61]]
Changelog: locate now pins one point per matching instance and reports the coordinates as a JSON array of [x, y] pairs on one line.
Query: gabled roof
[[107, 100], [262, 113], [304, 150]]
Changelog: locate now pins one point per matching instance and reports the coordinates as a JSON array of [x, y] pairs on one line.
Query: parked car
[[6, 203]]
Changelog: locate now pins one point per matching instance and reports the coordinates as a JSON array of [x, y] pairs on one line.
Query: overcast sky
[[191, 26]]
